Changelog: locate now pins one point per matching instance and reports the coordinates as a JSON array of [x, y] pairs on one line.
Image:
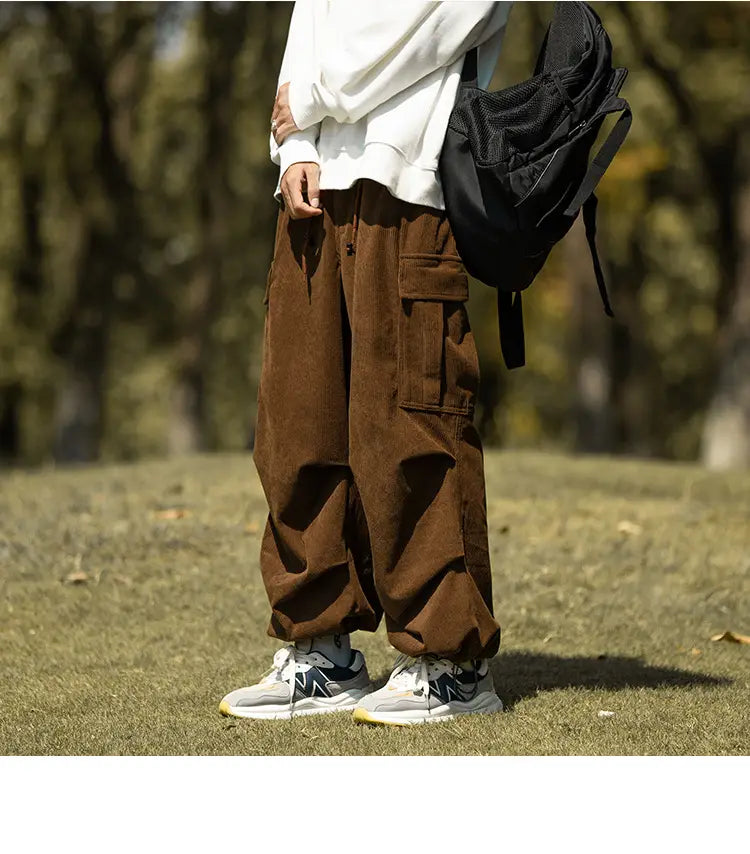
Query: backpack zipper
[[534, 186], [578, 127], [549, 163]]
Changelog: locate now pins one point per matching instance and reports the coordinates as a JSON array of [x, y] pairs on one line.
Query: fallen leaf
[[631, 528], [695, 651], [172, 513], [603, 713], [732, 637], [78, 577]]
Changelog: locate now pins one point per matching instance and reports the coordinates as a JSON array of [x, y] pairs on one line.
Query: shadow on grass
[[524, 674]]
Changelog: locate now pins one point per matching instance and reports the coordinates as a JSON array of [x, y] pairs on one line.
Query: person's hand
[[301, 179], [282, 122]]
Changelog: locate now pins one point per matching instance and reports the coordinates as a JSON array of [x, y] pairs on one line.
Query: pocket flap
[[432, 277]]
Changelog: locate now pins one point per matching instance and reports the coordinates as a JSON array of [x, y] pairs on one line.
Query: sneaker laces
[[284, 669], [414, 673]]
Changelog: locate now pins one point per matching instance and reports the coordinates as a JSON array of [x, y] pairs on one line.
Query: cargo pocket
[[438, 368]]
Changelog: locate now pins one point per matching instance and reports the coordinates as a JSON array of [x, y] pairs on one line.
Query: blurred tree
[[24, 260], [109, 60], [591, 352], [221, 34], [726, 436], [137, 219], [699, 55]]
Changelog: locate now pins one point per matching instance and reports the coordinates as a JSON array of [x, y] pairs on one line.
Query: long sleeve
[[368, 53], [299, 147]]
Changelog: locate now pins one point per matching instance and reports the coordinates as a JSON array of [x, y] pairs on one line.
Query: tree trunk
[[10, 439], [590, 350], [110, 222], [223, 31], [636, 379], [726, 432], [187, 420], [78, 408], [82, 345]]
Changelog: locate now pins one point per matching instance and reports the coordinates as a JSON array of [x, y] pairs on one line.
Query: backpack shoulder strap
[[605, 155], [510, 321], [589, 221], [470, 69], [586, 198]]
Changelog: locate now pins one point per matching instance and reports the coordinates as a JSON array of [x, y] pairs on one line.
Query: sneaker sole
[[485, 704], [308, 706]]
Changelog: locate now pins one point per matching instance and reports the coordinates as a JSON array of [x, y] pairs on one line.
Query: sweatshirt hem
[[381, 162]]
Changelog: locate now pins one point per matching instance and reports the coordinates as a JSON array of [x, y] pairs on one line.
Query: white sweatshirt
[[372, 84]]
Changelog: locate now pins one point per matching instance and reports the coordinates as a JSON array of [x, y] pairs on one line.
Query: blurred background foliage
[[137, 220]]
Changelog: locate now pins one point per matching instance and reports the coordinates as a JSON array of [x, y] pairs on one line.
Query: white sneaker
[[430, 689], [301, 683]]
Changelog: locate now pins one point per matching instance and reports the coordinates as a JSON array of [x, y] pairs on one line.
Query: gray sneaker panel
[[486, 683], [258, 695], [361, 682], [387, 700]]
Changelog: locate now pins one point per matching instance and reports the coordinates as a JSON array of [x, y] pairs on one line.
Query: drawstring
[[563, 92]]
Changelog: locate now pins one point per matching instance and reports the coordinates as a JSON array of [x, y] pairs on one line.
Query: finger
[[299, 208], [285, 194], [294, 186], [312, 174], [282, 131], [280, 100]]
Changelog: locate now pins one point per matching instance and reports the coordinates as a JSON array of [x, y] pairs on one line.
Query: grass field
[[130, 602]]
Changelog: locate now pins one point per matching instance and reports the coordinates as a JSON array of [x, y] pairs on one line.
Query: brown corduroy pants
[[365, 445]]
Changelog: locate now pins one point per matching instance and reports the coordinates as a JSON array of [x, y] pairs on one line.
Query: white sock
[[336, 648]]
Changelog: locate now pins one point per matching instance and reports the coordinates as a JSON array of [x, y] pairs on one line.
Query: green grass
[[173, 615]]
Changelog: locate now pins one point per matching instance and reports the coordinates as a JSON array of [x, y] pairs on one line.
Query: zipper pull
[[578, 127]]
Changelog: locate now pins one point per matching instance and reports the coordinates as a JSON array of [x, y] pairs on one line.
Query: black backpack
[[515, 164]]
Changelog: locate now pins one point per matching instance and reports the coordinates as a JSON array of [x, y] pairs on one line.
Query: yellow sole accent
[[362, 716], [224, 708]]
